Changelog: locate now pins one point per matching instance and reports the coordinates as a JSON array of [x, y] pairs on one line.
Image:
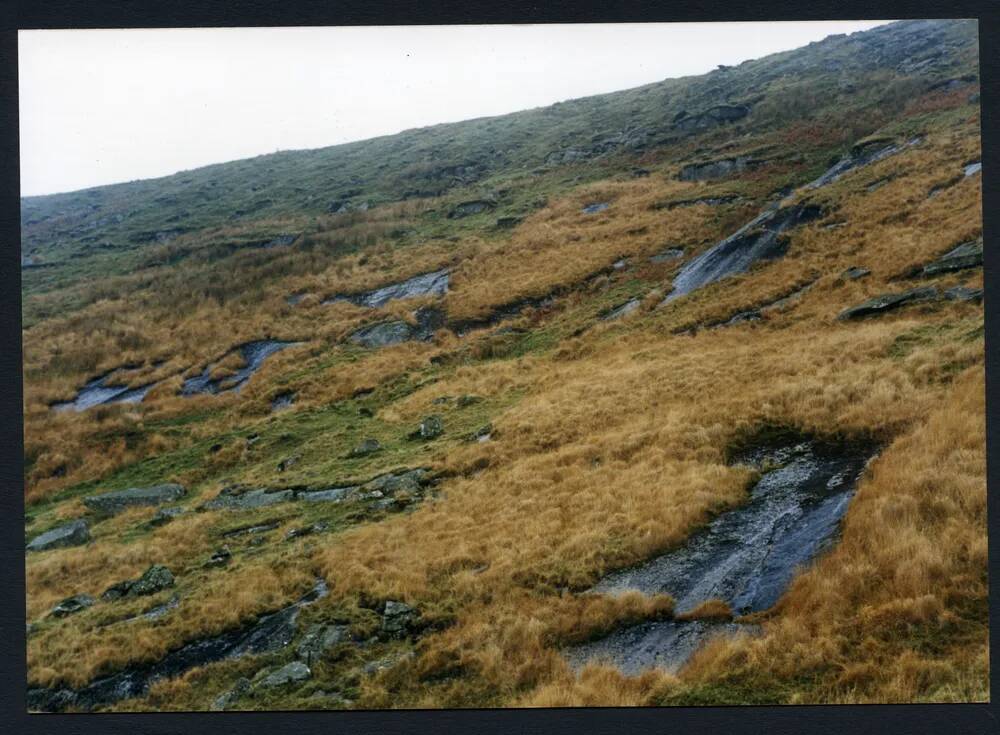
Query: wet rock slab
[[253, 353], [861, 155], [385, 334], [270, 633], [889, 302], [967, 255], [434, 283], [99, 392], [663, 644], [759, 239], [746, 557]]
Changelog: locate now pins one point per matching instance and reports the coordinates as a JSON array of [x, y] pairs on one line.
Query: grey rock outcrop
[[719, 169], [385, 334], [398, 618], [889, 302], [759, 239], [966, 255], [118, 500], [71, 605], [291, 673], [319, 639], [69, 534]]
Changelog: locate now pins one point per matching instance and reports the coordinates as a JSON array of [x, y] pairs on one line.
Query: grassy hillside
[[571, 444]]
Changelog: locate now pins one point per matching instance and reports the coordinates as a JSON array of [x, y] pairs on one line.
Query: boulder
[[366, 447], [963, 293], [966, 255], [165, 515], [508, 222], [69, 534], [888, 302], [717, 169], [466, 209], [596, 207], [319, 639], [291, 673], [71, 605], [482, 434], [240, 689], [115, 502], [116, 591], [238, 497], [430, 428], [295, 533], [398, 618], [154, 579], [219, 558]]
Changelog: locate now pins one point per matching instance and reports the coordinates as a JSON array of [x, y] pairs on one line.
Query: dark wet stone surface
[[69, 534], [71, 605], [98, 392], [282, 400], [966, 255], [270, 633], [118, 500], [746, 556], [253, 353], [890, 302], [760, 239], [858, 157], [662, 644], [434, 283], [385, 334]]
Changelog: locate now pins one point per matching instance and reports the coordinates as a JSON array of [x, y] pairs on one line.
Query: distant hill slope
[[860, 72], [468, 375]]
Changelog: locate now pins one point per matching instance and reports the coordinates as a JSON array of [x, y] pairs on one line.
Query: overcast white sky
[[99, 107]]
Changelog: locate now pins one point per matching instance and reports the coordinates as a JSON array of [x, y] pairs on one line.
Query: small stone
[[464, 401], [165, 515], [240, 689], [154, 579], [366, 447], [291, 673], [854, 273], [319, 639], [116, 591], [430, 428], [306, 531], [963, 293], [482, 434], [288, 463], [219, 558], [71, 605]]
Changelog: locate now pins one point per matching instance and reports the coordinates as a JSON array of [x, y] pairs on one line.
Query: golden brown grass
[[614, 452]]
